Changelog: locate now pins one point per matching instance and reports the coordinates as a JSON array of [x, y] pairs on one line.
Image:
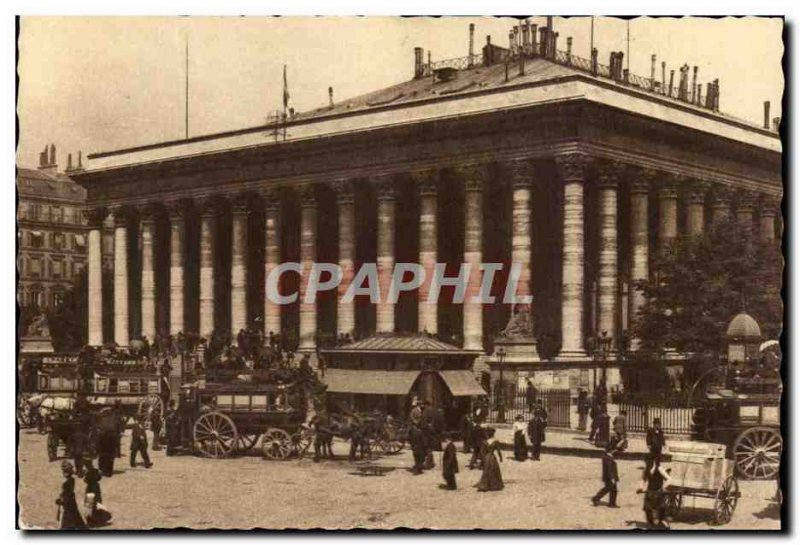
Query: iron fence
[[675, 419], [517, 402]]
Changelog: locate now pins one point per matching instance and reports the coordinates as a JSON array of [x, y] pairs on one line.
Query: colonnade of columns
[[574, 170]]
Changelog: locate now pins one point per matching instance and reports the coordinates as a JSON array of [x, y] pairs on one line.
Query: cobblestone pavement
[[247, 492]]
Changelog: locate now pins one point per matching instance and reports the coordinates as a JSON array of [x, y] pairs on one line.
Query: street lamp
[[501, 400], [603, 348]]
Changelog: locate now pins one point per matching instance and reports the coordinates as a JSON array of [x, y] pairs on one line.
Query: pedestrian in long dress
[[520, 445], [69, 518], [583, 409], [97, 515], [449, 464], [491, 478], [653, 481], [478, 450]]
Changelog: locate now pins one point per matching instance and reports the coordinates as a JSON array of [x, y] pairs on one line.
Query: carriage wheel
[[215, 435], [276, 444], [52, 446], [245, 443], [672, 504], [301, 441], [391, 444], [757, 452], [725, 503], [152, 401]]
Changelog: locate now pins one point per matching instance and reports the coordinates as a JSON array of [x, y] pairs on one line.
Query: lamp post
[[603, 347], [501, 400]]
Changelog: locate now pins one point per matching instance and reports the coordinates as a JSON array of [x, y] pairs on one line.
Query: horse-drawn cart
[[701, 470]]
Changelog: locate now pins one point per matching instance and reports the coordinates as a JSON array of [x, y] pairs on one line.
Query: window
[[35, 266], [58, 241], [79, 242], [58, 214], [35, 211], [58, 299], [37, 239], [35, 298]]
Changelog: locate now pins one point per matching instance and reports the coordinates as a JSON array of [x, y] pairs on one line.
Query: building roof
[[743, 326], [395, 343], [473, 91], [38, 184]]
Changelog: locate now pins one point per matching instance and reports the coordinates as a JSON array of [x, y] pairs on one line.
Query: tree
[[700, 282]]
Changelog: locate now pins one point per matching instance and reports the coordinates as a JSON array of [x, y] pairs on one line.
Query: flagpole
[[591, 39], [186, 57], [628, 53]]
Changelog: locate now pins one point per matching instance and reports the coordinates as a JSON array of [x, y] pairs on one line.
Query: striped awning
[[462, 383], [362, 381]]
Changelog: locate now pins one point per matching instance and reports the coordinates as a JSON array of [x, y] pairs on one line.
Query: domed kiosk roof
[[743, 325]]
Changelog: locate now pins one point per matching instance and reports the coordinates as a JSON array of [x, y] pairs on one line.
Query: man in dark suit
[[139, 444], [655, 443], [536, 434], [610, 479]]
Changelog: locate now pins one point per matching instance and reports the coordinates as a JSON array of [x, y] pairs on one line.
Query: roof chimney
[[52, 154], [418, 68], [652, 71], [671, 80], [776, 124], [69, 161], [471, 43], [47, 159], [694, 85], [766, 114], [330, 97]]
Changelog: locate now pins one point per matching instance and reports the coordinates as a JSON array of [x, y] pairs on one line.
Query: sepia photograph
[[383, 272]]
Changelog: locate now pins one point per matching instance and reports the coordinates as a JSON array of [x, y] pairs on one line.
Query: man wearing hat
[[655, 443], [610, 477]]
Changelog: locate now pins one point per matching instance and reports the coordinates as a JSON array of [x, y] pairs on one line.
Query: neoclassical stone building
[[523, 154]]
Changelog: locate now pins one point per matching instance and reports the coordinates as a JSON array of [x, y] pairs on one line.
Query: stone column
[[744, 212], [308, 254], [96, 216], [239, 212], [427, 310], [147, 234], [272, 258], [608, 281], [473, 177], [208, 226], [520, 172], [384, 322], [121, 316], [177, 233], [639, 246], [768, 212], [667, 214], [572, 173], [721, 209], [346, 312], [695, 212]]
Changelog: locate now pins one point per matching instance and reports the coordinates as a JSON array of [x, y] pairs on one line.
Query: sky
[[103, 83]]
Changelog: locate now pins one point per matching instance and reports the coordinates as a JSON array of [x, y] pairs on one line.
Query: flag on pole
[[285, 89]]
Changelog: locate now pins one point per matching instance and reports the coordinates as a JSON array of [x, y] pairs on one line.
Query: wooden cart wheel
[[276, 444], [148, 406], [245, 442], [725, 503], [215, 435], [672, 504], [52, 446], [757, 452], [301, 441], [390, 443]]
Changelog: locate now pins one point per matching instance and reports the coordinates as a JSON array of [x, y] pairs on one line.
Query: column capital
[[521, 173], [272, 199], [722, 195], [96, 216], [769, 205], [746, 200], [473, 175], [667, 191], [308, 197], [572, 166], [345, 193], [696, 192], [426, 181], [242, 203], [123, 215], [178, 209], [210, 207], [149, 212], [640, 179], [609, 174], [384, 186]]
